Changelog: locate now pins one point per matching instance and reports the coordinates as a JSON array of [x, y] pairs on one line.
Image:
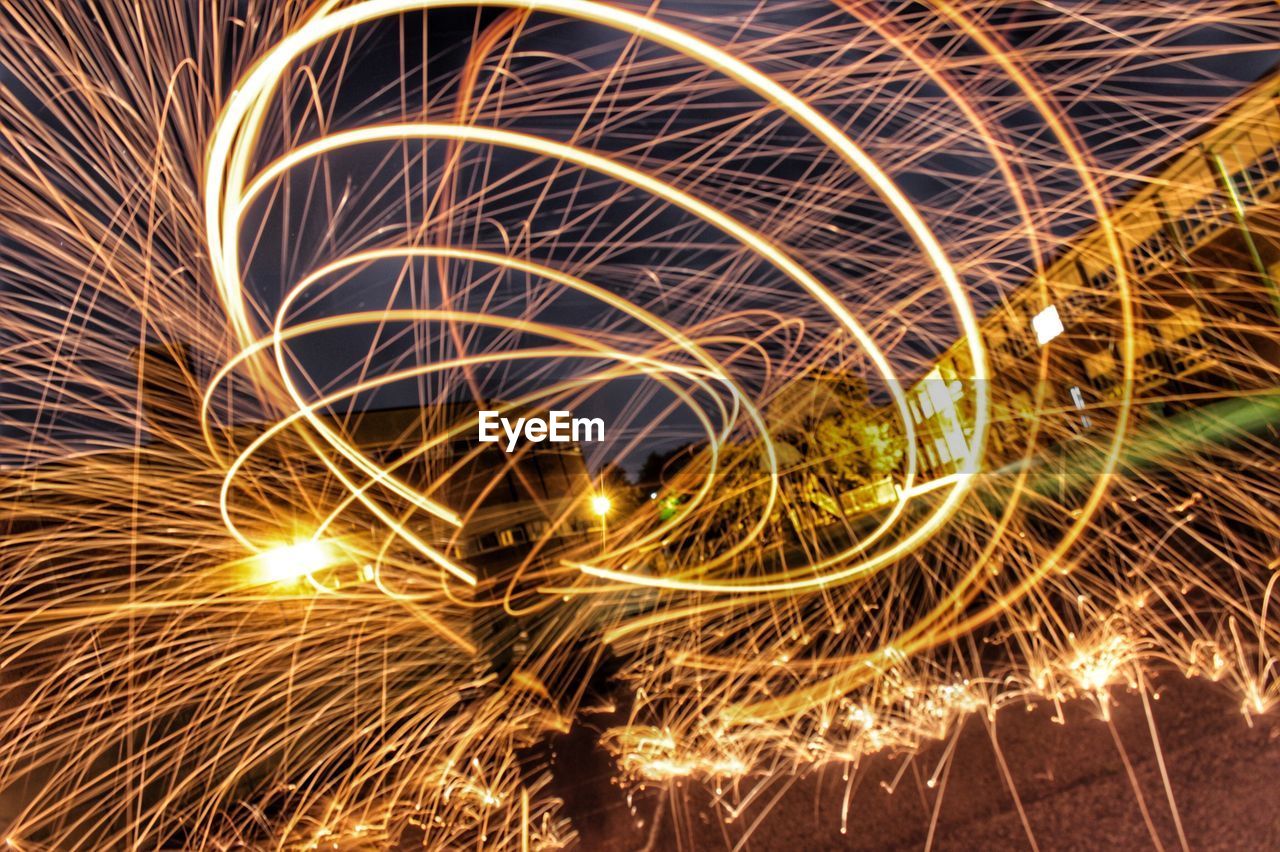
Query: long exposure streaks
[[938, 345]]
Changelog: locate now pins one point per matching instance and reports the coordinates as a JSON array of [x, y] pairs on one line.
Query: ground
[[1071, 781]]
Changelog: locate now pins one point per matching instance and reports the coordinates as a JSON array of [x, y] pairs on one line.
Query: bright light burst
[[971, 407], [287, 562]]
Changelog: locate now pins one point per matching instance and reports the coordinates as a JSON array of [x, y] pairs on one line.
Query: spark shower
[[936, 343]]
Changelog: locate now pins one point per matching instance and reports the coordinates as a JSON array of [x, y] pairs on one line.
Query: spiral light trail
[[958, 391]]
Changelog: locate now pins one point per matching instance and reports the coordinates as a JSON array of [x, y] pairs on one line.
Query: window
[[1047, 325], [1077, 398]]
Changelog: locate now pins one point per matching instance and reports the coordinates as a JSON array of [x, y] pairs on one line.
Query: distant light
[[1078, 398], [288, 562], [653, 495], [601, 504], [1047, 325]]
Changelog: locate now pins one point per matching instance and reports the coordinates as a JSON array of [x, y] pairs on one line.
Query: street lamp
[[601, 504]]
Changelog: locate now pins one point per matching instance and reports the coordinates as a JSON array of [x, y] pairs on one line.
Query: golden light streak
[[241, 607]]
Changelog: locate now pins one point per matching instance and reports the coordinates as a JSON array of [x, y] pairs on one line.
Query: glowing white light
[[1047, 325], [601, 504], [289, 562]]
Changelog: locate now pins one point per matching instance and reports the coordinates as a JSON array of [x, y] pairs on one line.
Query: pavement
[[1081, 784]]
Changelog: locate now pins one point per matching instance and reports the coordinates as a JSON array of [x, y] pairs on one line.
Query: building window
[[1077, 399], [1047, 325], [931, 456]]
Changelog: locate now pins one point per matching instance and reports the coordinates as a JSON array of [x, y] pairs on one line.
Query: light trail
[[240, 606]]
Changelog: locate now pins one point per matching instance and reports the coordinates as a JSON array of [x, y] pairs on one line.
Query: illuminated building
[[1201, 225]]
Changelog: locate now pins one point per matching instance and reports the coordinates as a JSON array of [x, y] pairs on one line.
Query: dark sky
[[1135, 104]]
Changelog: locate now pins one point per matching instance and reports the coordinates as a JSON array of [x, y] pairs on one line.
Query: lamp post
[[600, 506]]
